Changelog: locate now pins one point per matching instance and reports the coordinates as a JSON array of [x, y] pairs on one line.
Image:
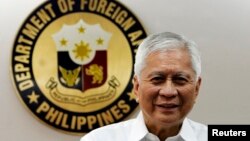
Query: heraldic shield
[[82, 55]]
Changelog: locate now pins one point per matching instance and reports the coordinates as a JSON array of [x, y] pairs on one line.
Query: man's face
[[167, 88]]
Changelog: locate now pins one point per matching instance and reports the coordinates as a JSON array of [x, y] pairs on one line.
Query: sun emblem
[[82, 50]]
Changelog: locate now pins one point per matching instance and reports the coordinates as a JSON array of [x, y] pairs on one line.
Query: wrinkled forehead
[[167, 69], [177, 58]]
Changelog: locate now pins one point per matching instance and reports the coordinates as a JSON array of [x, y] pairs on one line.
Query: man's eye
[[180, 80], [157, 80]]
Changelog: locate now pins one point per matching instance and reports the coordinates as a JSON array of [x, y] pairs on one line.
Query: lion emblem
[[96, 72]]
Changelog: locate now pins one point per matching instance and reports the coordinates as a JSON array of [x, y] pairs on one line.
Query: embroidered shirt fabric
[[136, 130]]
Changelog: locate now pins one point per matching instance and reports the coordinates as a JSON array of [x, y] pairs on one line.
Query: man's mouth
[[168, 105]]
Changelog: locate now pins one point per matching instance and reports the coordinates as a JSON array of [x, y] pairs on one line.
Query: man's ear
[[136, 85], [197, 87]]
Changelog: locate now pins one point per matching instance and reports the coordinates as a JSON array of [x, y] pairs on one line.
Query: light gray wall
[[221, 28]]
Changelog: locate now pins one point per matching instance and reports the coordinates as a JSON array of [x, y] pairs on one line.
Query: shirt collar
[[187, 132], [139, 130]]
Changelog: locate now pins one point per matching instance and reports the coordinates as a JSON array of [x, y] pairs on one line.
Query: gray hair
[[164, 41]]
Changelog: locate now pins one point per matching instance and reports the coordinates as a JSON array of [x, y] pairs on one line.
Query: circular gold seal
[[72, 63]]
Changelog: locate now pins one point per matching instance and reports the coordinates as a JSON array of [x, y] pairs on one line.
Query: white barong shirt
[[136, 130]]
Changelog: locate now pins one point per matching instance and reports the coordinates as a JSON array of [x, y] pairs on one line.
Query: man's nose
[[168, 89]]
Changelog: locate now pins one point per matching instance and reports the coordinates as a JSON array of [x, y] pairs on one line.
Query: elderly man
[[166, 83]]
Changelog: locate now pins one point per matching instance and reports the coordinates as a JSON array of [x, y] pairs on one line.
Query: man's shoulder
[[116, 126], [112, 131], [199, 130], [197, 125]]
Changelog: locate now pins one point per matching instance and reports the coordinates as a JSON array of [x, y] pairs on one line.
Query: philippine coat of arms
[[72, 63]]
